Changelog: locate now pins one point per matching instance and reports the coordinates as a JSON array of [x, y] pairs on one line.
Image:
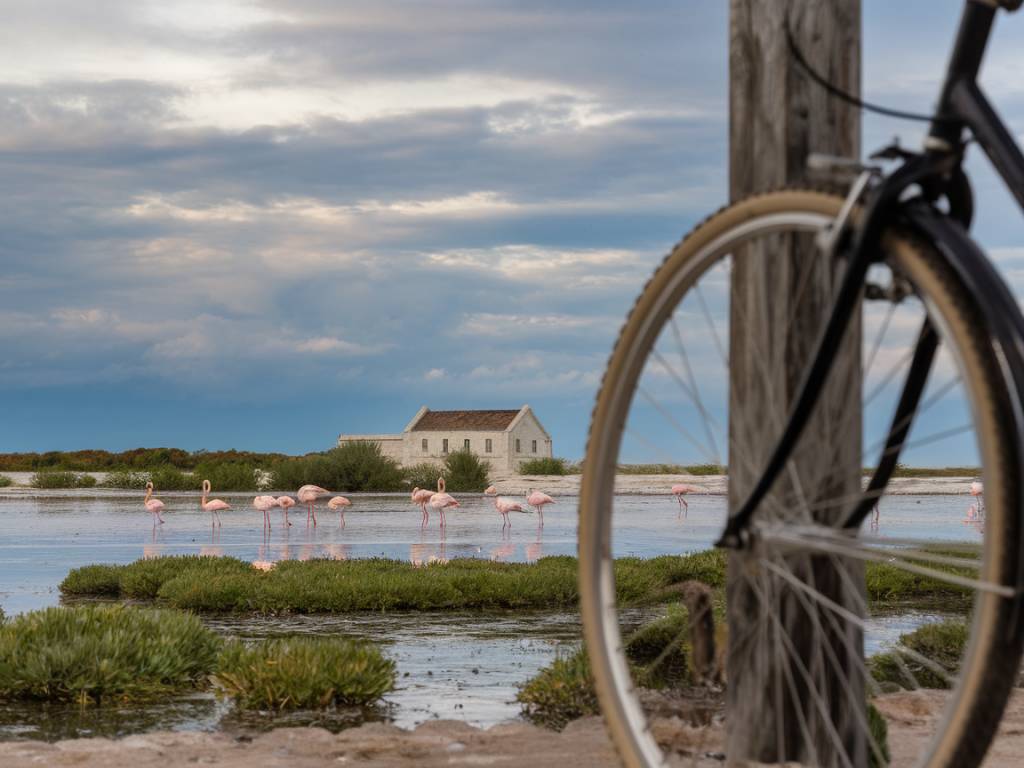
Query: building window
[[487, 445], [519, 448], [423, 444], [533, 447], [465, 443], [444, 445]]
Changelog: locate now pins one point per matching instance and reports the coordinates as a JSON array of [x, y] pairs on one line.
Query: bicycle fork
[[885, 199]]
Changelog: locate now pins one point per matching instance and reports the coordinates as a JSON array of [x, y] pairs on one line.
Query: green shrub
[[465, 472], [942, 643], [358, 466], [228, 476], [168, 478], [62, 480], [92, 653], [423, 475], [660, 650], [126, 479], [303, 672], [219, 584], [93, 581], [879, 731], [5, 481], [560, 693], [544, 466]]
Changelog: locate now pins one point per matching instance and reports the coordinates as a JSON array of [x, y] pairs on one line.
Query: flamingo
[[978, 492], [213, 505], [339, 503], [537, 500], [504, 506], [264, 504], [308, 495], [155, 506], [679, 491], [286, 503], [441, 500], [422, 496]]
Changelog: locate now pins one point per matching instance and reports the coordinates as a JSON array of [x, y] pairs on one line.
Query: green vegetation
[[423, 475], [672, 469], [62, 480], [224, 584], [942, 643], [465, 472], [559, 693], [904, 471], [93, 653], [564, 690], [326, 586], [137, 459], [303, 672], [126, 479], [359, 466], [5, 481], [879, 731], [545, 466]]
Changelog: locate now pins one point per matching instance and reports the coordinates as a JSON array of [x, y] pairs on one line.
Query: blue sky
[[259, 224]]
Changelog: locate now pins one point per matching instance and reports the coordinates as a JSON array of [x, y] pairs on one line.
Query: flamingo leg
[[443, 521], [343, 518]]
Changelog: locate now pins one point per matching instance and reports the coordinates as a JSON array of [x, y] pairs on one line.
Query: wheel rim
[[604, 639]]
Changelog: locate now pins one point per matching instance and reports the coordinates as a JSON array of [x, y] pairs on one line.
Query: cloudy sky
[[259, 224]]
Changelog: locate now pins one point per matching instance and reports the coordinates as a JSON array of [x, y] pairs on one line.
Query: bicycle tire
[[992, 659]]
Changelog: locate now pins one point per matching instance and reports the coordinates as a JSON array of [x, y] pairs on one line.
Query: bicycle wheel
[[919, 621]]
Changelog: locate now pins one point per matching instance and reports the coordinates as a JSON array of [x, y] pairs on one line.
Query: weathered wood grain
[[777, 116]]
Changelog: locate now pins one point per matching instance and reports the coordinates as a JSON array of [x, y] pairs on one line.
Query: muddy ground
[[450, 743]]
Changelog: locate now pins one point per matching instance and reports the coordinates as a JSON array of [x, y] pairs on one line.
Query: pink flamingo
[[441, 500], [537, 500], [978, 492], [308, 495], [339, 503], [679, 491], [264, 504], [504, 506], [286, 503], [213, 505], [155, 506], [422, 496]]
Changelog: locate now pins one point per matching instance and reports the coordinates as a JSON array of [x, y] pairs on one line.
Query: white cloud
[[435, 374]]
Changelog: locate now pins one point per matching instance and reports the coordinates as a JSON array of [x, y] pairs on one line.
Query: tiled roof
[[494, 421]]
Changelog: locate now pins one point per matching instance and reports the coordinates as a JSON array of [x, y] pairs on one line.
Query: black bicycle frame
[[962, 105]]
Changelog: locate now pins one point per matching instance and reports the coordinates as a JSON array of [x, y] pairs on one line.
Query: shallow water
[[453, 665]]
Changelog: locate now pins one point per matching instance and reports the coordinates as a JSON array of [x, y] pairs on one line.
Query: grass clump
[[5, 481], [93, 581], [93, 653], [303, 672], [423, 475], [942, 643], [465, 472], [879, 731], [659, 650], [544, 466], [52, 480], [224, 584], [560, 693]]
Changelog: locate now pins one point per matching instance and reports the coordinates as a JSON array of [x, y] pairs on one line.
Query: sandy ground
[[451, 743], [637, 485], [655, 485]]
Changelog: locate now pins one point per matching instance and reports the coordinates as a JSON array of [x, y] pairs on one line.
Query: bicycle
[[797, 602]]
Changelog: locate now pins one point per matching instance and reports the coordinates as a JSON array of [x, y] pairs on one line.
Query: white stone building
[[505, 439]]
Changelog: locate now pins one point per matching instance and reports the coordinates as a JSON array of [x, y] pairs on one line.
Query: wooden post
[[777, 116]]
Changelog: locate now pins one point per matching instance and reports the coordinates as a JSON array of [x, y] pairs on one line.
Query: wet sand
[[448, 742]]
